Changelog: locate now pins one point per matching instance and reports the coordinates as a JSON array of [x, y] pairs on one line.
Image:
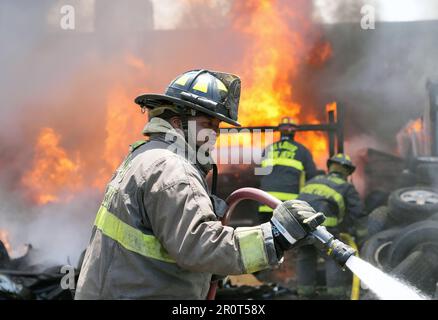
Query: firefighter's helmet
[[213, 93], [287, 126], [344, 160]]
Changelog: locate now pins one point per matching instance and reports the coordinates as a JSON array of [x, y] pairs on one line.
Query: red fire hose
[[232, 201]]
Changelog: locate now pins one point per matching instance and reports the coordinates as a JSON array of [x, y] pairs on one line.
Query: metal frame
[[334, 129], [432, 88]]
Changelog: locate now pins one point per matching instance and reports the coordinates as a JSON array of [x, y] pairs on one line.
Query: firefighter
[[291, 162], [157, 234], [339, 200]]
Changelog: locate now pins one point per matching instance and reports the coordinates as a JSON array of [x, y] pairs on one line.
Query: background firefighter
[[292, 163], [339, 200], [157, 233]]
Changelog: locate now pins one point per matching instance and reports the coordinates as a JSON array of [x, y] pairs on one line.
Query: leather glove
[[291, 222]]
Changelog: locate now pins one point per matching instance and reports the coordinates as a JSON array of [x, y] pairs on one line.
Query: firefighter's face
[[207, 130]]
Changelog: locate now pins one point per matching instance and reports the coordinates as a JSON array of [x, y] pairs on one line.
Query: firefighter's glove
[[291, 222]]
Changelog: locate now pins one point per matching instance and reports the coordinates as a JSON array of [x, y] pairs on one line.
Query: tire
[[411, 238], [413, 204], [377, 220], [426, 172], [419, 269], [434, 217], [376, 249]]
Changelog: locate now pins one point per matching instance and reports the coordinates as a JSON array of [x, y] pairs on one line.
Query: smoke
[[82, 82], [57, 232], [379, 74]]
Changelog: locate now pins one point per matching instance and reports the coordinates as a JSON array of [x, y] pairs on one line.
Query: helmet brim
[[154, 100]]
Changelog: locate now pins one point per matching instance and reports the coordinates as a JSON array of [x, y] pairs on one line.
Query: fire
[[4, 237], [54, 175], [270, 67], [122, 126], [269, 64], [320, 54], [415, 126], [275, 50]]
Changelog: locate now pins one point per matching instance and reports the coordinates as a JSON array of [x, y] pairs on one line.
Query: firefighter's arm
[[182, 218], [353, 203], [309, 165]]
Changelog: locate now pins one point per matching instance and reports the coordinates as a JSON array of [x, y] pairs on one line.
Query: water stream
[[382, 284]]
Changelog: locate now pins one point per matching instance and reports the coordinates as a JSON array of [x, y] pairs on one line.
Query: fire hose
[[326, 241]]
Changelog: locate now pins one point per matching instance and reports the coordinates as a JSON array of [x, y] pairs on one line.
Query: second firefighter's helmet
[[287, 126], [213, 93], [344, 160]]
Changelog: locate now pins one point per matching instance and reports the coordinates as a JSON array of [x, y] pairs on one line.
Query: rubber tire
[[377, 220], [404, 212], [425, 173], [434, 217], [410, 238], [369, 248], [420, 270]]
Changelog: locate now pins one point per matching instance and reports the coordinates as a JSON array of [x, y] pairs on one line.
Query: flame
[[274, 53], [54, 175], [270, 67], [4, 237], [415, 126], [123, 126], [320, 54], [269, 64]]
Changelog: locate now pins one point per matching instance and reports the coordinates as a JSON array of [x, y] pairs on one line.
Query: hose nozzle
[[340, 252], [336, 249]]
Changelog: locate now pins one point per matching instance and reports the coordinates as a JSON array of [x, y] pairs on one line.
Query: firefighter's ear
[[176, 122]]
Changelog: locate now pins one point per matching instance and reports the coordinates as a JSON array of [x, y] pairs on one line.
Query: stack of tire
[[403, 237]]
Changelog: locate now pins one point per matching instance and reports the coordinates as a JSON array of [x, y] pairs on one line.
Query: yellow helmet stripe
[[221, 86], [182, 80], [202, 83]]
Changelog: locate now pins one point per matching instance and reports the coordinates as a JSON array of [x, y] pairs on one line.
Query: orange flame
[[4, 237], [123, 126], [53, 173], [273, 57], [415, 126], [320, 54], [271, 66]]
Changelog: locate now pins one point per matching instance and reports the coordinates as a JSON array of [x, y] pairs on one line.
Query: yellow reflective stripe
[[330, 222], [221, 86], [285, 145], [252, 248], [326, 191], [283, 162], [202, 83], [182, 80], [336, 180], [283, 196], [130, 238], [265, 209]]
